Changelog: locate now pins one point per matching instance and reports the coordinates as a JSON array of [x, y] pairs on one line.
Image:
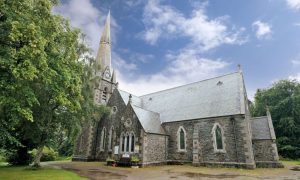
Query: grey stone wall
[[117, 120], [171, 129], [108, 122], [155, 146], [99, 89], [135, 127], [263, 150], [236, 139], [265, 153]]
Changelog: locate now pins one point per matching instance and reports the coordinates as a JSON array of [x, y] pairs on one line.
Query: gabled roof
[[149, 120], [219, 96], [135, 100], [260, 128]]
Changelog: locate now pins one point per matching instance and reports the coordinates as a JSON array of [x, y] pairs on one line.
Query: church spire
[[103, 58], [105, 38]]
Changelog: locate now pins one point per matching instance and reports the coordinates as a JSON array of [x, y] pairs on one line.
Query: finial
[[130, 99], [239, 68]]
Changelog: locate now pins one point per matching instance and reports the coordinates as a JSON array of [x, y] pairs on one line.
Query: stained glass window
[[182, 139], [219, 141]]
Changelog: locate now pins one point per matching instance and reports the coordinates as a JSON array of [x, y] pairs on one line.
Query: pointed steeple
[[105, 38], [103, 58]]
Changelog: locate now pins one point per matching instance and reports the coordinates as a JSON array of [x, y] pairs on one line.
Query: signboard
[[116, 150], [125, 155]]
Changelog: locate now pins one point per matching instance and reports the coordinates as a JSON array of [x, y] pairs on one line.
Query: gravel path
[[98, 171]]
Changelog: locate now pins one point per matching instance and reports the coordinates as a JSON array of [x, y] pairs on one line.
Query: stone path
[[98, 171]]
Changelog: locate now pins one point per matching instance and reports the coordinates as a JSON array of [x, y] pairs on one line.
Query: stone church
[[206, 123]]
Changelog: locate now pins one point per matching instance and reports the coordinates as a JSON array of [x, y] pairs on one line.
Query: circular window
[[114, 109], [128, 123]]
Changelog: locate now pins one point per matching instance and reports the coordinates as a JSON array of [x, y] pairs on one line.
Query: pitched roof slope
[[149, 120], [260, 128], [220, 96], [135, 100]]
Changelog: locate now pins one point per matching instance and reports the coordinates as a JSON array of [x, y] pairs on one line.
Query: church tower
[[106, 76]]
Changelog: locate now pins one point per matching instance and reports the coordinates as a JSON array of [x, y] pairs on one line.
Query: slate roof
[[260, 128], [149, 120], [135, 99], [219, 96]]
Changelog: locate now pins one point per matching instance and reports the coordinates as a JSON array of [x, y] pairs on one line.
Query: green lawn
[[10, 172], [291, 162]]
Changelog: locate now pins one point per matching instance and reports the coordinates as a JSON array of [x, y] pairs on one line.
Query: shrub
[[2, 155], [19, 156], [48, 154], [134, 159], [110, 160]]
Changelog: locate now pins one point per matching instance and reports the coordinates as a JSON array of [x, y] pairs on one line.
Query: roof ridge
[[128, 93], [146, 109], [189, 84]]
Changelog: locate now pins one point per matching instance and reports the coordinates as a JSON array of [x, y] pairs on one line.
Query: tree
[[283, 100], [41, 81]]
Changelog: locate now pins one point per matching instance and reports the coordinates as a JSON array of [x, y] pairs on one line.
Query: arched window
[[182, 143], [111, 138], [103, 137], [181, 139], [132, 143], [123, 143], [127, 143], [218, 138]]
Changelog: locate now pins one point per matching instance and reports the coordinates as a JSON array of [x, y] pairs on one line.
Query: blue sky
[[159, 44]]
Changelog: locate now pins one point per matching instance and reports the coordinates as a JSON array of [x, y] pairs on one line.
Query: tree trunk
[[37, 158]]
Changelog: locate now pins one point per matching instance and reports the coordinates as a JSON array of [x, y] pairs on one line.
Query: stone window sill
[[221, 151], [182, 151]]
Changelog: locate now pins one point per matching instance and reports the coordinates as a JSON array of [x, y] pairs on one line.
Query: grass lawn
[[291, 162], [12, 172]]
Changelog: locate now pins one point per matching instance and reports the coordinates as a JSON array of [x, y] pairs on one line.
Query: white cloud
[[133, 3], [263, 30], [293, 4], [163, 21], [296, 62], [120, 63], [185, 67], [296, 24], [295, 77], [84, 15]]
